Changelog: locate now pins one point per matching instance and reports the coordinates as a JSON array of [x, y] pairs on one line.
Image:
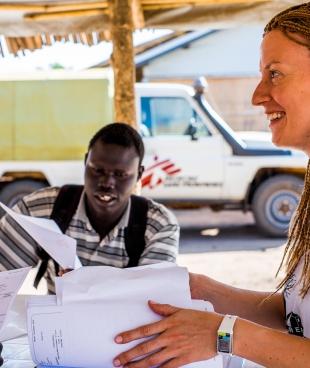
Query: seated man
[[102, 220]]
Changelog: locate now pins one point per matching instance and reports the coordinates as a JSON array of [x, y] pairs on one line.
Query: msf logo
[[156, 174]]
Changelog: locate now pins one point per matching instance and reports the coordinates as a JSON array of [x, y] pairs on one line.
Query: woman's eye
[[274, 74]]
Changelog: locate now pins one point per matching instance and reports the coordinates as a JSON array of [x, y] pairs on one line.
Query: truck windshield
[[170, 116]]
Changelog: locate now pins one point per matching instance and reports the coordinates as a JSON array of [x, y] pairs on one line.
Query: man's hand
[[1, 359], [62, 271], [184, 336]]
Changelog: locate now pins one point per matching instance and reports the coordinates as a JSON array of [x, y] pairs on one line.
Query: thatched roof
[[31, 24]]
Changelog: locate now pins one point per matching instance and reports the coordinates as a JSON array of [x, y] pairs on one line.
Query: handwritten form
[[10, 283], [76, 328]]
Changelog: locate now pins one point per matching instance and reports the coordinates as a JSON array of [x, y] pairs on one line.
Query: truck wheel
[[274, 203], [13, 192]]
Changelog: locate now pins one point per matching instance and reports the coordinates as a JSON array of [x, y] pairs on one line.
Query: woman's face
[[284, 90]]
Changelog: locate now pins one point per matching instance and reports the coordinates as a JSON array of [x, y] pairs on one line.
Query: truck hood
[[256, 139], [262, 140]]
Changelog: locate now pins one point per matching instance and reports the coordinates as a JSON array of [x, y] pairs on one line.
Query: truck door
[[183, 159]]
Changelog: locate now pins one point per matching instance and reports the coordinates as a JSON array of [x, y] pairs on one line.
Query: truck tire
[[274, 203], [13, 192]]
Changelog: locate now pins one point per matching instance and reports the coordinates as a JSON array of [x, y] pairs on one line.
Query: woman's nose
[[260, 94]]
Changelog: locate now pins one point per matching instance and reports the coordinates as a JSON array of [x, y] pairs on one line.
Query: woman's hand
[[184, 336]]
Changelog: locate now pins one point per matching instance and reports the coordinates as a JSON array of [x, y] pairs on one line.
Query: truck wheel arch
[[13, 191]]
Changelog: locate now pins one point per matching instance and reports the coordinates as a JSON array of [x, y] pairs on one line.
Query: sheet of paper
[[10, 283], [97, 303], [47, 234], [102, 283]]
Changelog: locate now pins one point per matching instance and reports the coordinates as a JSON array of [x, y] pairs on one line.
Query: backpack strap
[[135, 231], [66, 204], [63, 210]]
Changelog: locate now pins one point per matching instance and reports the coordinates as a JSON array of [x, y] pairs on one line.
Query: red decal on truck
[[156, 174]]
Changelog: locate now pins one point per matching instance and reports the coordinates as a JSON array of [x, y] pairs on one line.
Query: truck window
[[171, 116]]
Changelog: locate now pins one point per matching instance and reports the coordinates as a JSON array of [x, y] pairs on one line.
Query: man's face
[[111, 173]]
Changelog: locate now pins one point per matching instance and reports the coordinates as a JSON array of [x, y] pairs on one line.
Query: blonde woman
[[272, 330]]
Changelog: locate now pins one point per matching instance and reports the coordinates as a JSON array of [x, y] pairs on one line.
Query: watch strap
[[225, 335]]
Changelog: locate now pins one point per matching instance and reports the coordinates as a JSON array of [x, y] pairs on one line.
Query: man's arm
[[17, 249], [161, 236]]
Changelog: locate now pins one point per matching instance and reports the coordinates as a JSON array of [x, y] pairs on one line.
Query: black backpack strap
[[63, 210], [66, 204], [135, 231]]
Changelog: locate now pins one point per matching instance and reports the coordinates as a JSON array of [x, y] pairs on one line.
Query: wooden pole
[[123, 61]]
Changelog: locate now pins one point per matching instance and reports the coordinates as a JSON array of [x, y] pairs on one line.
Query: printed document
[[76, 327], [10, 283], [61, 247]]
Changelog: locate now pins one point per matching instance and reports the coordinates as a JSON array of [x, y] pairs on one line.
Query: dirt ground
[[247, 269]]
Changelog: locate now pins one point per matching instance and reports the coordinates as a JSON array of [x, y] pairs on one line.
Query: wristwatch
[[225, 335]]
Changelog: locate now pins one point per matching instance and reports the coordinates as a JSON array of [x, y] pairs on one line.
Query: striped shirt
[[18, 249]]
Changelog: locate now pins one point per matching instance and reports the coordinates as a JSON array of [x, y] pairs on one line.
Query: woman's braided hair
[[294, 22]]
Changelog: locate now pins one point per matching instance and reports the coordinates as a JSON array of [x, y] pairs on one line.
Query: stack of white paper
[[77, 327]]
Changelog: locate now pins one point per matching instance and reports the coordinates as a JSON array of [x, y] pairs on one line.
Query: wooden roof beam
[[21, 7], [147, 7], [77, 6], [24, 7], [137, 14], [64, 14], [180, 3]]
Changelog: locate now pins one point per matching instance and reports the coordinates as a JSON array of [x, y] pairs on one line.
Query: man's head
[[120, 134], [112, 169]]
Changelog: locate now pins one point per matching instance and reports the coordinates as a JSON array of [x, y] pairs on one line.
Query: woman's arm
[[187, 336], [255, 306], [270, 348]]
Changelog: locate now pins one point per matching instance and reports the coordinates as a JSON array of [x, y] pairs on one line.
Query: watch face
[[224, 342]]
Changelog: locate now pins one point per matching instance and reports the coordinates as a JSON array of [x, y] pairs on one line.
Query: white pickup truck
[[192, 156]]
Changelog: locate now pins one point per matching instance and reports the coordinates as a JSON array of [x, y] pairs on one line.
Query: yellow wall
[[51, 119]]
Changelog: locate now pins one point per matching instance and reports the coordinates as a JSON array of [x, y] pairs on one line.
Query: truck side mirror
[[192, 130]]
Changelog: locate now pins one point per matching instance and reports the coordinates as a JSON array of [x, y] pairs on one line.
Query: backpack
[[64, 208]]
